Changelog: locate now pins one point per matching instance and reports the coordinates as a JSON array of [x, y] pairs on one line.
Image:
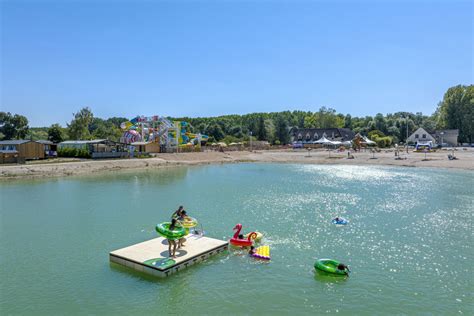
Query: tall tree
[[79, 126], [13, 126], [456, 111], [261, 130], [55, 133], [348, 121], [281, 130]]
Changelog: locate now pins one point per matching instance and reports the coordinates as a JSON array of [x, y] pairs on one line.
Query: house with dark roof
[[309, 135], [25, 149]]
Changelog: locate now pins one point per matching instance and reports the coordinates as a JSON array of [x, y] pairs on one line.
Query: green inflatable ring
[[330, 266], [164, 230]]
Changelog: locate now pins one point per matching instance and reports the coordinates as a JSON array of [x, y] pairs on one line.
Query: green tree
[[261, 130], [324, 118], [79, 126], [456, 111], [281, 131], [37, 133], [55, 133], [215, 131], [13, 126], [348, 121]]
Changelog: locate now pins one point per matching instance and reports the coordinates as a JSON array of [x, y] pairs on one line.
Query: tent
[[323, 140], [368, 141]]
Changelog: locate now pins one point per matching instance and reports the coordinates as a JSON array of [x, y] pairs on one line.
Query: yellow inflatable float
[[262, 252]]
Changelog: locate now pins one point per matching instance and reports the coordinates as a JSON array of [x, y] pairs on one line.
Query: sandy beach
[[40, 169]]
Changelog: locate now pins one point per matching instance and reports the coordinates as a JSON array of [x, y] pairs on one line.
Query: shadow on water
[[326, 277], [154, 279], [136, 274]]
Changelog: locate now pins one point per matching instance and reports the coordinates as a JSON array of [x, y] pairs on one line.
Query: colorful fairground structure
[[170, 135]]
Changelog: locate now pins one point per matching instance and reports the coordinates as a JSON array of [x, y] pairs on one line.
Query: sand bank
[[60, 169]]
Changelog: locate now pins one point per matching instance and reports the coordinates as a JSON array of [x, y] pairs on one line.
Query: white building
[[449, 137], [422, 136]]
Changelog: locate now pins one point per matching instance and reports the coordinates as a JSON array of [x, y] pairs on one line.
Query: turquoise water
[[409, 241]]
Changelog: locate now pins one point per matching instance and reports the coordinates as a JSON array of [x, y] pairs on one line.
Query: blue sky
[[208, 58]]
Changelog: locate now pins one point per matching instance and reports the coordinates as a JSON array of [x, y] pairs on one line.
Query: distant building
[[309, 135], [447, 137], [50, 148], [421, 136], [25, 149], [98, 148], [147, 147]]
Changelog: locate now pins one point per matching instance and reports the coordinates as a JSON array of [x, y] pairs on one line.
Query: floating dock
[[152, 256]]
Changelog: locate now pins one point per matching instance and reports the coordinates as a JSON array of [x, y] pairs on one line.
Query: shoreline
[[383, 158]]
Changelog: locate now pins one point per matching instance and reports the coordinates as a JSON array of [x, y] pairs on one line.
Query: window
[[300, 136], [424, 135], [417, 136], [316, 136], [308, 136]]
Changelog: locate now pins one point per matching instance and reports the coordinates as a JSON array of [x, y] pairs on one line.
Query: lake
[[408, 242]]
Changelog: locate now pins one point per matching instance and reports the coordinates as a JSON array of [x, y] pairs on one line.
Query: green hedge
[[73, 152]]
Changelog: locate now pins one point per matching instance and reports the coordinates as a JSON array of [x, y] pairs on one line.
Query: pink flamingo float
[[236, 241]]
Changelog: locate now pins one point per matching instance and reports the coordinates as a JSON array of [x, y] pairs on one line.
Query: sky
[[210, 58]]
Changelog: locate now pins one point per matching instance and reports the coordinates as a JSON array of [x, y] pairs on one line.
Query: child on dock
[[172, 242]]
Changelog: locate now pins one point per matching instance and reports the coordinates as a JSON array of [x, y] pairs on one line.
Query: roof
[[82, 142], [14, 141], [344, 133], [45, 142], [140, 143]]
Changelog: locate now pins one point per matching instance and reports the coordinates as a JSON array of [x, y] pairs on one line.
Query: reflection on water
[[408, 241]]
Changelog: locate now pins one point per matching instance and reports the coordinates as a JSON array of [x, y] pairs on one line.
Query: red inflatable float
[[236, 241]]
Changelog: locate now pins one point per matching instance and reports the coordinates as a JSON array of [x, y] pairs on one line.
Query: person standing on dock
[[177, 214], [171, 242]]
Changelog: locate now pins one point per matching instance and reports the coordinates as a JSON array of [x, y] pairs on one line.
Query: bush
[[383, 141], [73, 152]]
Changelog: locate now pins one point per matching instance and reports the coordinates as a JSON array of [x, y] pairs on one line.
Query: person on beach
[[177, 213], [172, 242]]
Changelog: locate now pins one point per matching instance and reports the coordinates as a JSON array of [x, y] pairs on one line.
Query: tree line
[[455, 111]]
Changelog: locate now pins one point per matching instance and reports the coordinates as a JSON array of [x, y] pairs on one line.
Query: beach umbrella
[[324, 141]]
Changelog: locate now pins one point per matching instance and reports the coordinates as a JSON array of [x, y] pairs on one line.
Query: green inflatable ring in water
[[164, 230], [330, 266]]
